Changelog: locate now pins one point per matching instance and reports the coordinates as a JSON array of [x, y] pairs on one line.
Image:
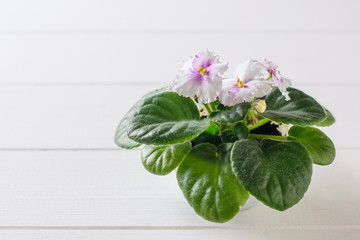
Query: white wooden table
[[69, 70]]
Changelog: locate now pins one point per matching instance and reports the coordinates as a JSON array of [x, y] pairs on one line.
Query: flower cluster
[[201, 77]]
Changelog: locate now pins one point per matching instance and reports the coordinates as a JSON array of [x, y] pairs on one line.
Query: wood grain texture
[[38, 15], [146, 58], [180, 234], [100, 189]]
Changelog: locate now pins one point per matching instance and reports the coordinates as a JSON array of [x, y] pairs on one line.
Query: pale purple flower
[[272, 69], [276, 79], [200, 76], [248, 84]]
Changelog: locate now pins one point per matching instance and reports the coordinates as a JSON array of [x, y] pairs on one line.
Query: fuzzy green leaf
[[329, 120], [162, 160], [301, 110], [230, 114], [208, 183], [240, 131], [210, 135], [121, 137], [320, 147], [275, 172], [166, 118]]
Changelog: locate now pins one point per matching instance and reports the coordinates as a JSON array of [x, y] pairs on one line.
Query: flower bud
[[255, 121], [260, 106]]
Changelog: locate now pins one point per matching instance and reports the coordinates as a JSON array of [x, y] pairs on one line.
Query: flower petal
[[250, 70], [209, 91], [276, 78], [187, 83], [231, 94], [204, 83], [262, 87], [205, 59], [282, 85], [217, 69]]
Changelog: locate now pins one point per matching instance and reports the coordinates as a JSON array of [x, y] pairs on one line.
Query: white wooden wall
[[69, 70]]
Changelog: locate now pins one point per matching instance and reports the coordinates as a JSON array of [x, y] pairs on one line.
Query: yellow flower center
[[240, 83], [202, 70]]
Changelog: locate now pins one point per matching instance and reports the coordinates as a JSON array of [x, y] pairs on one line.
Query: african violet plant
[[230, 138]]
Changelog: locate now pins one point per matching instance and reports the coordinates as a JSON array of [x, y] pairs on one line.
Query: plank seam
[[277, 228], [318, 31]]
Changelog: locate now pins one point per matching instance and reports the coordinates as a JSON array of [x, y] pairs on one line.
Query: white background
[[69, 70]]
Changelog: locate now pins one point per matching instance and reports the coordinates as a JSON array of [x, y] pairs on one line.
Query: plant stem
[[261, 122], [262, 136], [207, 107], [212, 106]]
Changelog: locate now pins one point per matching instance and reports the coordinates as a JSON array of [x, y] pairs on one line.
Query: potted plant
[[229, 138]]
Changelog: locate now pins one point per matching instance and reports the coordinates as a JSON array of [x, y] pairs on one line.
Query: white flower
[[276, 79], [250, 82], [200, 76]]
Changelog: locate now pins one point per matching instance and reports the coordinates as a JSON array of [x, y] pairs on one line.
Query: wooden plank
[[179, 234], [38, 15], [104, 189], [148, 58], [86, 116]]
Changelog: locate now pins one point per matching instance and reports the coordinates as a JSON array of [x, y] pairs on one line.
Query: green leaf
[[210, 135], [329, 120], [320, 147], [162, 160], [230, 114], [228, 136], [301, 110], [121, 137], [166, 118], [224, 151], [208, 183], [240, 131], [275, 172]]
